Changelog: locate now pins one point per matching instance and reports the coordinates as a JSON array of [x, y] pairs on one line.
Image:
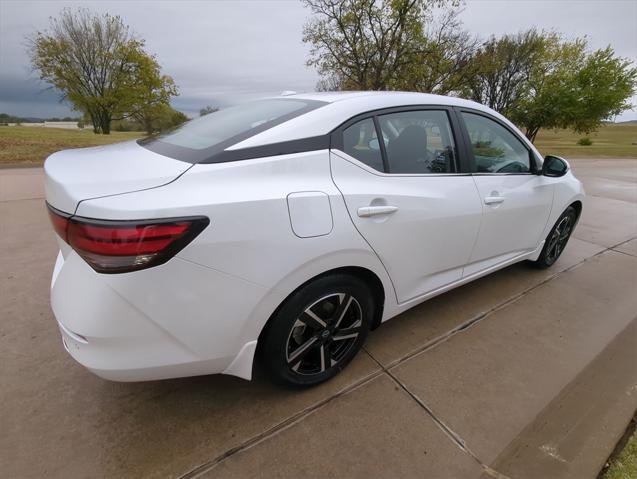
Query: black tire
[[317, 331], [557, 239]]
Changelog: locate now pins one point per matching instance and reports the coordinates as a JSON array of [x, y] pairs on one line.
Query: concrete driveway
[[524, 373]]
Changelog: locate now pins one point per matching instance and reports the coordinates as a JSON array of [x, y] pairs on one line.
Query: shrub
[[586, 141]]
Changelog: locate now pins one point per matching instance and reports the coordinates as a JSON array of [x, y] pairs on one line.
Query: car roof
[[400, 97], [341, 106]]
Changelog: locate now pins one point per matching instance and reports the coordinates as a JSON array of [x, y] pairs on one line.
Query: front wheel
[[318, 330], [557, 238]]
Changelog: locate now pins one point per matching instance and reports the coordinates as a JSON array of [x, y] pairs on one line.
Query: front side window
[[361, 142], [496, 149], [418, 141]]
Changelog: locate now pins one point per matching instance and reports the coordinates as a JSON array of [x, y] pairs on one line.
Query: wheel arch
[[371, 279], [368, 276]]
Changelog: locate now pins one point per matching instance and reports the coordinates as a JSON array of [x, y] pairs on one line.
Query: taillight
[[59, 220], [123, 246]]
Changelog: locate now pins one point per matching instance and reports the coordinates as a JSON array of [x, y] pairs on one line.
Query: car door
[[516, 202], [407, 195]]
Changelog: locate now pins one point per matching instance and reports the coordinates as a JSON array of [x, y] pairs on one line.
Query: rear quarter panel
[[250, 237]]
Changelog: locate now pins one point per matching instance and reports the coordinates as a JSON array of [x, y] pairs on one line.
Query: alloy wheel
[[559, 238], [324, 333]]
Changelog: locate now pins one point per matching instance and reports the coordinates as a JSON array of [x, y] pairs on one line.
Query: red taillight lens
[[60, 222], [123, 246]]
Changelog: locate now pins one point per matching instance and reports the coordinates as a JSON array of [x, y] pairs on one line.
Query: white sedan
[[283, 230]]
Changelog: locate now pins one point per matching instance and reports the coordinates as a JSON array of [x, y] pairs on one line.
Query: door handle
[[367, 211], [493, 200]]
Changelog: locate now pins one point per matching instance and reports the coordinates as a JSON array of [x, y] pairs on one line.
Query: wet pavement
[[522, 374]]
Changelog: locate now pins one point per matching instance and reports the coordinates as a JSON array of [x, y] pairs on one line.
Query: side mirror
[[554, 166]]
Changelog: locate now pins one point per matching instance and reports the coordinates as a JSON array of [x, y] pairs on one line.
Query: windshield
[[200, 139]]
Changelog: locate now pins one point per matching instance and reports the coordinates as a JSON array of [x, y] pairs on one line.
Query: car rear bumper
[[88, 354], [178, 319]]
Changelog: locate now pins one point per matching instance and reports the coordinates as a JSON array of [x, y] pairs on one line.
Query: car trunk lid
[[72, 176]]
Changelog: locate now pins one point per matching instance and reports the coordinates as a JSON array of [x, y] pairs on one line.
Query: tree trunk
[[105, 122], [95, 122], [148, 125]]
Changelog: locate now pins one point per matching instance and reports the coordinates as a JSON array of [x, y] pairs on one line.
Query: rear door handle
[[367, 211], [492, 200]]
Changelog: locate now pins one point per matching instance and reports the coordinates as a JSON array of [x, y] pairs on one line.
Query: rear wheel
[[557, 238], [318, 330]]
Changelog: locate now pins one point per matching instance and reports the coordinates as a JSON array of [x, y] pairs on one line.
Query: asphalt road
[[521, 374]]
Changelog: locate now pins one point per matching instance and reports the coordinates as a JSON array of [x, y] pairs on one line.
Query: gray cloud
[[224, 52]]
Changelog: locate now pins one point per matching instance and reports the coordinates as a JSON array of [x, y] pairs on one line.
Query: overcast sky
[[221, 52]]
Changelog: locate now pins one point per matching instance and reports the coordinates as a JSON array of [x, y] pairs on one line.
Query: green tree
[[444, 64], [368, 44], [99, 66], [501, 69], [148, 97], [574, 89], [167, 117], [539, 80]]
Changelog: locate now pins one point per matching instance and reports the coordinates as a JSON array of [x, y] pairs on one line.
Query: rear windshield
[[201, 139]]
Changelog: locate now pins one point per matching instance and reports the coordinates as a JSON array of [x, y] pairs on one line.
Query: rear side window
[[361, 142], [495, 149], [198, 140], [418, 141]]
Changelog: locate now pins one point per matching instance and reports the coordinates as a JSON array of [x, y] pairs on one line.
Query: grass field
[[610, 141], [624, 466], [29, 146]]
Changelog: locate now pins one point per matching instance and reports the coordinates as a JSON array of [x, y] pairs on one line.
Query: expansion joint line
[[277, 428], [454, 436]]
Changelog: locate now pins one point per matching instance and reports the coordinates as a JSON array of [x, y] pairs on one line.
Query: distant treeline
[[172, 118], [6, 118]]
